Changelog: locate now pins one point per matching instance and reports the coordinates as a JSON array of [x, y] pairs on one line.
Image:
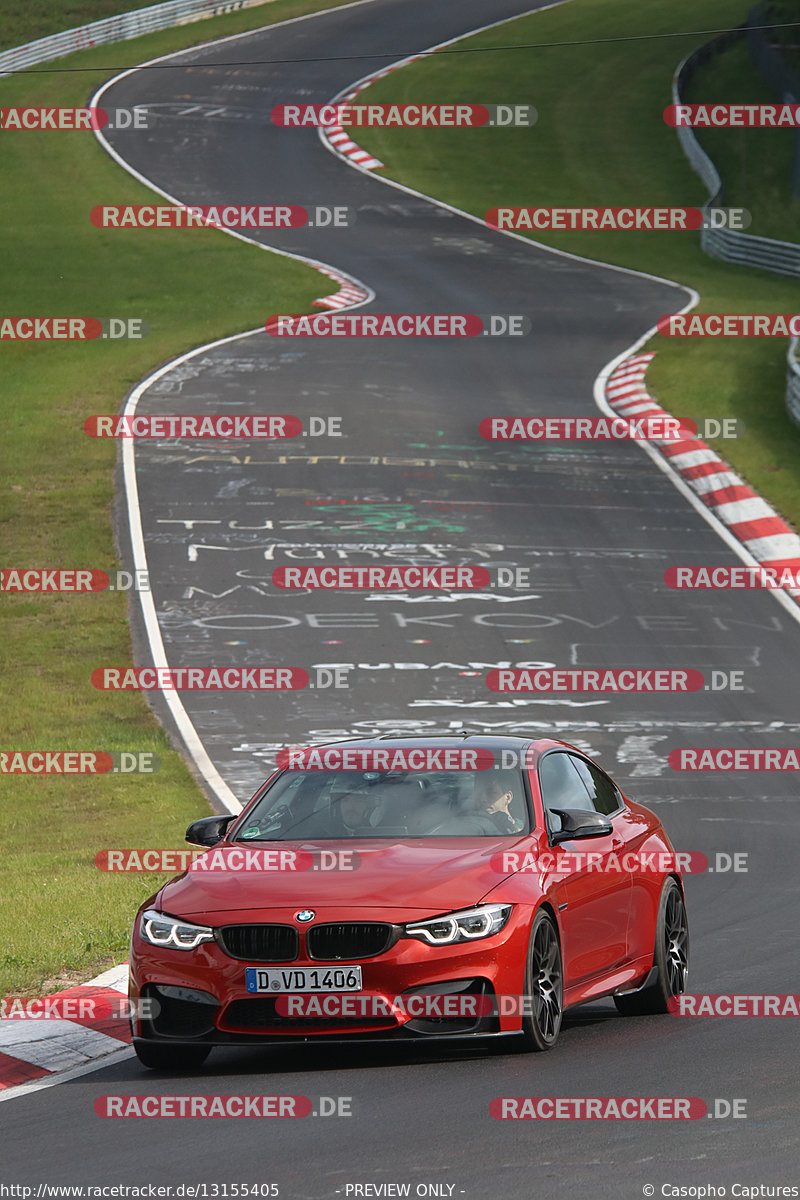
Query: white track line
[[599, 387], [191, 738], [62, 1048], [47, 1081], [188, 732], [691, 459]]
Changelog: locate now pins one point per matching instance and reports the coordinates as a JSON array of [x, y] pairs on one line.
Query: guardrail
[[793, 382], [774, 68], [117, 29], [731, 245]]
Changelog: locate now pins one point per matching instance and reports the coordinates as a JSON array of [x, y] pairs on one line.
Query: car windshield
[[330, 805]]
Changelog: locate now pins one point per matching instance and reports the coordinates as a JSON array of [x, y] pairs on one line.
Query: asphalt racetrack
[[596, 524]]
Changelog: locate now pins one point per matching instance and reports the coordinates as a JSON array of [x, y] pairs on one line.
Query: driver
[[493, 800], [486, 815]]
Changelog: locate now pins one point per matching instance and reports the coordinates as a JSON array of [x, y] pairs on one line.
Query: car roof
[[487, 741]]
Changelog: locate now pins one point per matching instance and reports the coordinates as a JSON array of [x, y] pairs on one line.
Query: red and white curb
[[350, 291], [32, 1049], [339, 140], [748, 517]]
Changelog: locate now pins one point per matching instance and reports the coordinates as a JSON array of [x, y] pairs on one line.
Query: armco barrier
[[793, 382], [117, 29], [773, 67], [730, 245]]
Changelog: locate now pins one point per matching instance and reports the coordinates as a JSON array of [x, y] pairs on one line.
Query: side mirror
[[209, 830], [577, 823]]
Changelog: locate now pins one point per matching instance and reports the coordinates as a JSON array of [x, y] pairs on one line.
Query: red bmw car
[[404, 888]]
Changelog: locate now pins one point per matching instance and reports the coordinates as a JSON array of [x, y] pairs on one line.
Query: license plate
[[303, 979]]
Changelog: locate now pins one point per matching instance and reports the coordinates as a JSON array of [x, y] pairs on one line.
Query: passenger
[[349, 815]]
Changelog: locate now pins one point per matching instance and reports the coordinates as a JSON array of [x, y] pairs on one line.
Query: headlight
[[464, 926], [161, 930]]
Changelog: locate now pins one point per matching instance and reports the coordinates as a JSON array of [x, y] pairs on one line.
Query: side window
[[603, 795], [561, 787]]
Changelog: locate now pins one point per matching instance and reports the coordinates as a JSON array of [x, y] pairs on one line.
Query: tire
[[670, 957], [166, 1057], [544, 984]]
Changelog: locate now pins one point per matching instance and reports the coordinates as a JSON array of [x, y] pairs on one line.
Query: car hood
[[430, 876]]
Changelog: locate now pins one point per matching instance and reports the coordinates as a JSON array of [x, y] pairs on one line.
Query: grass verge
[[24, 21], [600, 140], [27, 20], [61, 919]]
